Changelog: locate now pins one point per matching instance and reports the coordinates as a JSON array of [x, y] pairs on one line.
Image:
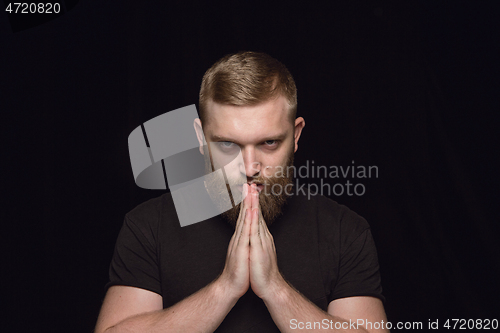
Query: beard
[[272, 198]]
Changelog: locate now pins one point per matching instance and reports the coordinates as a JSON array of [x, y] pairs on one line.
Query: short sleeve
[[358, 272], [135, 259]]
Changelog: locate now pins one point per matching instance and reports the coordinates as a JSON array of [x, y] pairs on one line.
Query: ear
[[199, 134], [299, 125]]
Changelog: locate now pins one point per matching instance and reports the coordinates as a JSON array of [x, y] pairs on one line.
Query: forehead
[[248, 124]]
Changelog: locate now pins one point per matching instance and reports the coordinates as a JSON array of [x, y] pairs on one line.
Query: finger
[[241, 216], [244, 238], [236, 235], [262, 223], [240, 222], [244, 202], [267, 237], [246, 191], [255, 240], [256, 204], [261, 217], [255, 196]]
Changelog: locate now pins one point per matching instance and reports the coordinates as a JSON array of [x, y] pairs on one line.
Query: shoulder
[[150, 208], [147, 215], [331, 212], [337, 222]]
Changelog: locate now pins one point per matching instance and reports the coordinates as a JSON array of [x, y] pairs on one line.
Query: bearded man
[[277, 261]]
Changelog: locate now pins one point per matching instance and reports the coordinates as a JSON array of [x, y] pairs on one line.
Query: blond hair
[[246, 79]]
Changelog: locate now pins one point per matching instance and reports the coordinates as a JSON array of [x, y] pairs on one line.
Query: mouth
[[260, 186]]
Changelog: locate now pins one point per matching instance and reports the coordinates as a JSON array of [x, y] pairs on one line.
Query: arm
[[366, 310], [290, 310], [128, 309]]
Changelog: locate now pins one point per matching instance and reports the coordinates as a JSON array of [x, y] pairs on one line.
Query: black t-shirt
[[325, 251]]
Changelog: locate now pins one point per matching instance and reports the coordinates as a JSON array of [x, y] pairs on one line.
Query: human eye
[[226, 146], [271, 144]]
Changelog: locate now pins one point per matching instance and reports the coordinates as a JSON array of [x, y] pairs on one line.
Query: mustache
[[258, 181], [241, 181]]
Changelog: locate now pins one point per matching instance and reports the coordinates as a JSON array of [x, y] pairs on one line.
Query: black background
[[408, 86]]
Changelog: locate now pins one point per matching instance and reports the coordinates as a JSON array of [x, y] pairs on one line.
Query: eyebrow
[[277, 137]]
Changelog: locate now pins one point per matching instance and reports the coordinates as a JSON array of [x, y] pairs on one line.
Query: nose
[[252, 164]]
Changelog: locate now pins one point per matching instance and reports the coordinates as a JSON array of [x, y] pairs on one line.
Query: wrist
[[278, 291], [223, 290]]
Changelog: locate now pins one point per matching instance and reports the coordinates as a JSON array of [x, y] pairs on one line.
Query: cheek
[[268, 171], [276, 165], [275, 168], [235, 170]]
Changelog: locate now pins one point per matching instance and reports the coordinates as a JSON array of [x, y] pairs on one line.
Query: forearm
[[203, 311], [292, 312]]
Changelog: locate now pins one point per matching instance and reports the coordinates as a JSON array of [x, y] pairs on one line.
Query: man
[[275, 262]]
